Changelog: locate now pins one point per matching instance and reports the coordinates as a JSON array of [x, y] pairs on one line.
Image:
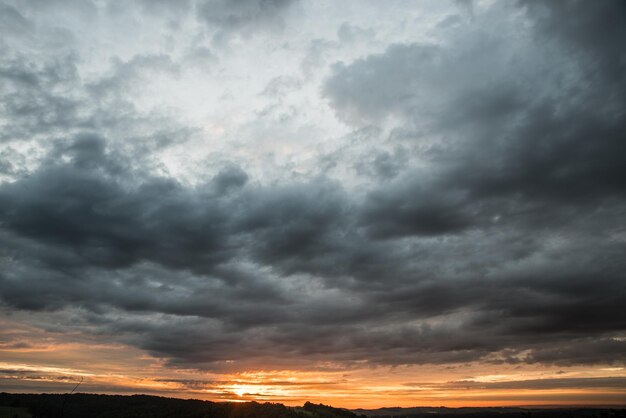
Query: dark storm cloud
[[429, 213], [512, 143], [230, 178], [298, 223], [83, 205], [578, 27], [506, 244]]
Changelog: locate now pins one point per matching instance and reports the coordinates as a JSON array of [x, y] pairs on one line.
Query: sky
[[360, 203]]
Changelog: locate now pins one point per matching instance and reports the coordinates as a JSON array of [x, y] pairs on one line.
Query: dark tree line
[[142, 406]]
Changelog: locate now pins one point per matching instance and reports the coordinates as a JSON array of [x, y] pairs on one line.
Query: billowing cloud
[[446, 196]]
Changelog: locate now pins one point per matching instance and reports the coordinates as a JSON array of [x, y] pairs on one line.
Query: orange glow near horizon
[[47, 364], [120, 369]]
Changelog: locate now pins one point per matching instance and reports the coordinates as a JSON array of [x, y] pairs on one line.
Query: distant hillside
[[142, 406], [494, 412]]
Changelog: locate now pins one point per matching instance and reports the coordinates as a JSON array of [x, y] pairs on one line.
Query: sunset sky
[[362, 203]]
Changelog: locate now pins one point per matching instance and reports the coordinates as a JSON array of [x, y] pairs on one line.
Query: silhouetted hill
[[142, 406], [327, 411]]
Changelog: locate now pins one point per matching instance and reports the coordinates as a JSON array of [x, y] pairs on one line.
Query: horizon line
[[526, 406]]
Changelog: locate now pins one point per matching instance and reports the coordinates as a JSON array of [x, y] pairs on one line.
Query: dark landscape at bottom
[[143, 406]]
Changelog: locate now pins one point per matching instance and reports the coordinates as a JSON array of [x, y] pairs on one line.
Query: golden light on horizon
[[130, 371]]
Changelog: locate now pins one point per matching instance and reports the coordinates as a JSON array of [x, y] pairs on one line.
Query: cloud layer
[[392, 198]]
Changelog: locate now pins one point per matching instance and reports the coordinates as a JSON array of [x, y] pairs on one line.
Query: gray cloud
[[509, 139], [243, 17], [489, 224], [535, 384], [31, 97]]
